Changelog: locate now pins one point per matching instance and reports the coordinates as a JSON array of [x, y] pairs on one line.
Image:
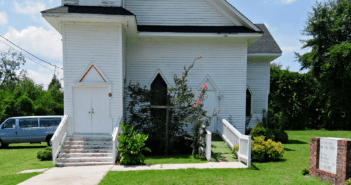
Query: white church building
[[109, 43]]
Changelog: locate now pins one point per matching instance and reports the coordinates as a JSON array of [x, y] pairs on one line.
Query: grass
[[220, 150], [175, 159], [286, 171], [19, 157]]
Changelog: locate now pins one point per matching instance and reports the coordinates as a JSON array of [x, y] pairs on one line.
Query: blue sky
[[21, 22]]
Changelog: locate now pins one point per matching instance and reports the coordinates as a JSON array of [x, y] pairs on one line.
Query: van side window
[[28, 122], [9, 124], [49, 122]]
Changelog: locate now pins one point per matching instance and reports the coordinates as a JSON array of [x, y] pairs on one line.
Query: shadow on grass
[[274, 161], [216, 137], [23, 147], [296, 142], [254, 167], [180, 156], [217, 156], [288, 149]]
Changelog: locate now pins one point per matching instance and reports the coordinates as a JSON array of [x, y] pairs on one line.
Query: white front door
[[209, 105], [100, 110], [91, 110]]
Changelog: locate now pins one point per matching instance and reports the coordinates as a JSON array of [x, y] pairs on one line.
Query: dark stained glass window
[[248, 103]]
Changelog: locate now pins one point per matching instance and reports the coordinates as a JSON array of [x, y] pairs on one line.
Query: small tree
[[183, 96], [55, 83]]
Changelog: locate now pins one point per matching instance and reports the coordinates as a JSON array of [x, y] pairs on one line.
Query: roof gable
[[177, 13], [266, 44]]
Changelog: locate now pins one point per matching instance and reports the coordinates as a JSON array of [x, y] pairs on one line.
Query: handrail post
[[249, 152]]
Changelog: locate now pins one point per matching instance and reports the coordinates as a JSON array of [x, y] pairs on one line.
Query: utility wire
[[27, 56], [29, 53]]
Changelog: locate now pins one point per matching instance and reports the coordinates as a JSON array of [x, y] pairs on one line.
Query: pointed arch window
[[248, 102], [159, 86], [159, 89]]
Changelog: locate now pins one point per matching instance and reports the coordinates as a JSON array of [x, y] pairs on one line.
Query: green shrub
[[348, 182], [280, 136], [305, 171], [258, 130], [266, 150], [45, 155], [235, 149], [277, 135], [131, 146]]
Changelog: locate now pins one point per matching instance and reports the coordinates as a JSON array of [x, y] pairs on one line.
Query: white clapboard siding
[[258, 79], [176, 12], [224, 60], [84, 43]]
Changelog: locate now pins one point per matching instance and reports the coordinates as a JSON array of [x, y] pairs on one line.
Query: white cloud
[[3, 18], [42, 76], [289, 49], [30, 8], [38, 41], [287, 1], [282, 1], [271, 28]]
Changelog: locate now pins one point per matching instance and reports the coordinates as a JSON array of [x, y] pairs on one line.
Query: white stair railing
[[233, 137], [117, 129], [58, 138]]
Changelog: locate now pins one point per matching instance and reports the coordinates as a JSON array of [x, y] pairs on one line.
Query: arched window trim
[[155, 75], [199, 88]]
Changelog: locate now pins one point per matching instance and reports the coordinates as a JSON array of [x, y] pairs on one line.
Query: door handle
[[89, 112], [92, 110]]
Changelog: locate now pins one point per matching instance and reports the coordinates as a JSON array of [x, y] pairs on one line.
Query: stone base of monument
[[330, 159]]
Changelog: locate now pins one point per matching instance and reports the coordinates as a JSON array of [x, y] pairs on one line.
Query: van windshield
[[9, 124]]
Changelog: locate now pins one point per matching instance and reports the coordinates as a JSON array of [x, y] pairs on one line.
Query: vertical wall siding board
[[224, 60], [175, 12], [258, 80], [101, 45]]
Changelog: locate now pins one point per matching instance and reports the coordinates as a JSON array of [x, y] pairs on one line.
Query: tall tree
[[9, 63], [329, 29], [55, 83]]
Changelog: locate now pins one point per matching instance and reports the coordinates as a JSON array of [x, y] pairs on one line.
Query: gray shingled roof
[[266, 44]]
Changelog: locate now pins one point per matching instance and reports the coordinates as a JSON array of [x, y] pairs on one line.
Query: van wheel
[[48, 140], [3, 145]]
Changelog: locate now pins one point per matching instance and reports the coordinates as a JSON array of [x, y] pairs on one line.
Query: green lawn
[[19, 157], [174, 159], [287, 171], [220, 150]]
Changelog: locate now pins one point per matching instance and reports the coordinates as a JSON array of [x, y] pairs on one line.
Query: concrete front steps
[[86, 150]]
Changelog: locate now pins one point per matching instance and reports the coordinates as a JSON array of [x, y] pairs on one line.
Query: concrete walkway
[[87, 175], [92, 175], [210, 165]]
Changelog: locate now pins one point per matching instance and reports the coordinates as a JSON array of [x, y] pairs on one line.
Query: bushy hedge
[[45, 155], [277, 135], [266, 150]]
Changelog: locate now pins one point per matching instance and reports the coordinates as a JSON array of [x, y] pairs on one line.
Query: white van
[[28, 129]]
